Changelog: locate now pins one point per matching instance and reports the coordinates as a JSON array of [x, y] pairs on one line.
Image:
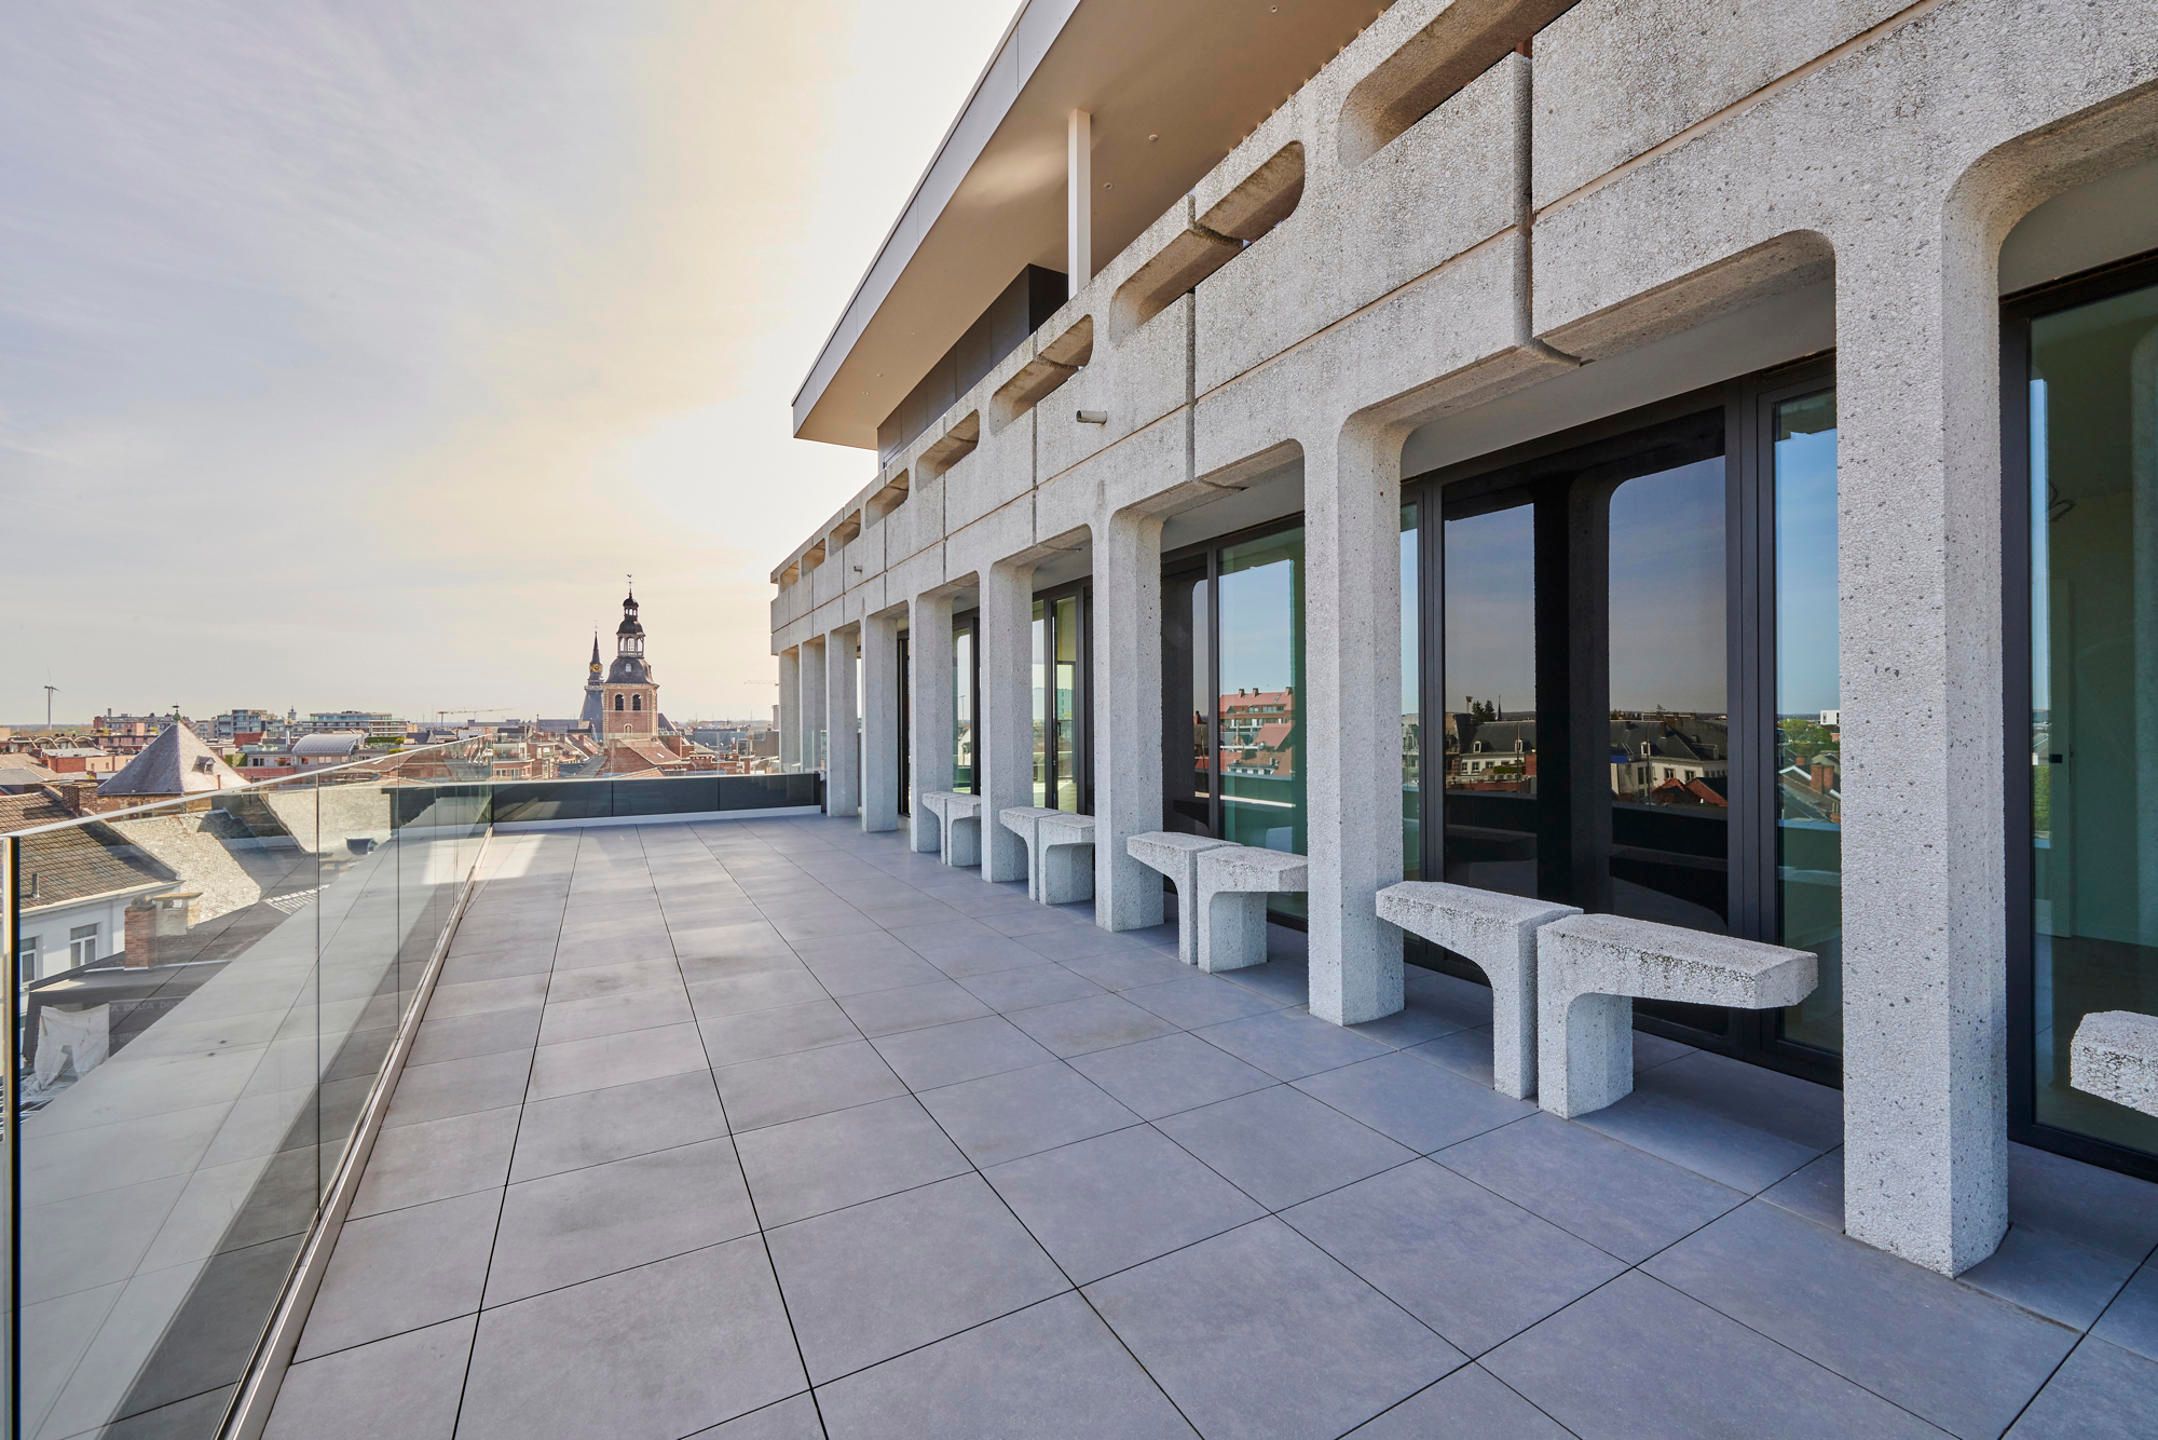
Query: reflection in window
[[1187, 709], [1489, 572], [1809, 764], [963, 712], [1065, 692], [1412, 730], [1670, 741], [2093, 738], [1040, 637], [1262, 674]]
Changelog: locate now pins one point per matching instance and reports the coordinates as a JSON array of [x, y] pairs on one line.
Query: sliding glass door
[[1634, 680], [2082, 521], [1061, 781]]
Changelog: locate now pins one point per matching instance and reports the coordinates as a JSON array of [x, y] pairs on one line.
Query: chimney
[[152, 924]]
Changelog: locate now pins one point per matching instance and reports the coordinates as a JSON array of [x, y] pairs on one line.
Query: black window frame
[[2018, 312], [1743, 408]]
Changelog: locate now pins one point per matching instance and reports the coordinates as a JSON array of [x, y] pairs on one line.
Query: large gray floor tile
[[1001, 1117], [806, 1167], [1045, 983], [1611, 1195], [613, 1014], [1280, 1146], [436, 1159], [654, 1353], [1963, 1360], [1421, 1105], [1474, 1267], [965, 1050], [911, 1007], [809, 1082], [459, 1087], [868, 1282], [1190, 999], [401, 1270], [759, 990], [1129, 964], [758, 1034], [1108, 1203], [1051, 1372], [1259, 1332], [2099, 1209], [407, 1386], [592, 1127], [851, 973], [615, 1060], [1073, 1027], [1467, 1405], [475, 997], [1169, 1073], [1636, 1360], [580, 1224], [1741, 1125], [1290, 1044], [636, 977], [461, 1036], [2101, 1393], [794, 1419], [2131, 1321]]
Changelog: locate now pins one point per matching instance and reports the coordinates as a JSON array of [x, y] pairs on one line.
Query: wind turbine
[[50, 691]]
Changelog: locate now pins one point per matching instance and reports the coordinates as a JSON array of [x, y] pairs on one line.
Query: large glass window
[[1412, 720], [1059, 713], [1489, 735], [2092, 727], [1187, 700], [1809, 764], [963, 674], [1262, 673]]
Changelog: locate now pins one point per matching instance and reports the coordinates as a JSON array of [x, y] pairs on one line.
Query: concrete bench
[[1066, 859], [959, 826], [2115, 1057], [1023, 821], [1176, 855], [1233, 885], [1497, 933], [1591, 968]]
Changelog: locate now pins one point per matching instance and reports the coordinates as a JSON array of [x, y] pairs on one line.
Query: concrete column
[[843, 746], [1127, 717], [813, 704], [1007, 706], [880, 723], [1918, 548], [790, 710], [1078, 200], [1350, 725], [930, 686]]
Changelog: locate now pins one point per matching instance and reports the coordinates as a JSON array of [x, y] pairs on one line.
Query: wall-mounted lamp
[[1093, 417]]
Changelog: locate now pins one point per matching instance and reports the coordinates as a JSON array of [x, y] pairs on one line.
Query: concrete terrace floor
[[774, 1129]]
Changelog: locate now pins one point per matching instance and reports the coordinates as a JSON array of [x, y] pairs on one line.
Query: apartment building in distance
[[1732, 419]]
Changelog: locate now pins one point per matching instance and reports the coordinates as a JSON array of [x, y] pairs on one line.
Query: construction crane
[[472, 712]]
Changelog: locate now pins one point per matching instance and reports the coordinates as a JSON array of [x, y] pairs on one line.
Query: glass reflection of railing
[[206, 994]]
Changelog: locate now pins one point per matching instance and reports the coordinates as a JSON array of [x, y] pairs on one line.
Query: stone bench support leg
[[962, 841], [1587, 1058], [1232, 931], [1067, 874], [1513, 1022]]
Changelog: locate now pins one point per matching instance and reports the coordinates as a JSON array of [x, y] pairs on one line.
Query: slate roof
[[175, 763], [81, 861]]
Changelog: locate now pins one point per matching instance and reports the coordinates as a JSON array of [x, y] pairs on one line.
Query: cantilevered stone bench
[[1233, 883], [1023, 821], [1066, 858], [2115, 1057], [959, 826], [1176, 855], [1591, 968], [1497, 933]]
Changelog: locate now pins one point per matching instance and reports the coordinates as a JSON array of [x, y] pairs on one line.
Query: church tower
[[594, 714], [629, 697]]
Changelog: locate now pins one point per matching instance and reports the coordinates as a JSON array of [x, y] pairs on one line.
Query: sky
[[351, 354]]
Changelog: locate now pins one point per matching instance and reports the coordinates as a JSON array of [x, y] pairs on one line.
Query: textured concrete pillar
[[1924, 944], [1127, 717], [931, 663], [880, 722], [1007, 706], [843, 745], [790, 710], [813, 704], [1350, 725]]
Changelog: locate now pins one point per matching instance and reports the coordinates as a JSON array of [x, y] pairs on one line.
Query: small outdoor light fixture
[[1093, 417]]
